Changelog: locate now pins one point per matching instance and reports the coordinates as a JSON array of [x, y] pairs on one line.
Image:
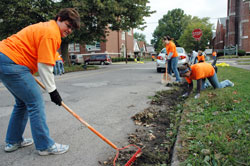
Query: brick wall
[[238, 24]]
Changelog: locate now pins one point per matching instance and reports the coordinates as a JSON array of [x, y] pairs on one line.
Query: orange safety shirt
[[170, 47], [200, 71], [214, 53], [201, 58], [37, 43]]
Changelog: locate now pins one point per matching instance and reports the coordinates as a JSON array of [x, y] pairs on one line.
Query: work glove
[[197, 96], [55, 97], [185, 94]]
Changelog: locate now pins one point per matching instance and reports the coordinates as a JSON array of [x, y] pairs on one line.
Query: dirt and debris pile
[[156, 131]]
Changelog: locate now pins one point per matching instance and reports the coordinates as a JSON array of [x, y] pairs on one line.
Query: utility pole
[[126, 47]]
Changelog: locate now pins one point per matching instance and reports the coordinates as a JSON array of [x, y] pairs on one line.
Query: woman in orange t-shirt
[[172, 58], [201, 72], [30, 50], [200, 57]]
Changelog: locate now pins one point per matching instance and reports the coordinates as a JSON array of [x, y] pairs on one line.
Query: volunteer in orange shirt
[[172, 58], [200, 72], [30, 50], [214, 54], [200, 57]]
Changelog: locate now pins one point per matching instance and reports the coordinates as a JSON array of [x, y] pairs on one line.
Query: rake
[[166, 77], [130, 161]]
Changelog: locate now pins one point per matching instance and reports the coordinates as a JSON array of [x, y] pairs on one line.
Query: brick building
[[117, 44], [219, 39], [238, 24]]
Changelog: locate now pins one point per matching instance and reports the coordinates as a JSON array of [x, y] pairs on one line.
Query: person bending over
[[30, 50], [201, 72]]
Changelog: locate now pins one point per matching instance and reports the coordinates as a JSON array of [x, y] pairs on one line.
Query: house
[[238, 24], [136, 48], [118, 44], [142, 47], [150, 50]]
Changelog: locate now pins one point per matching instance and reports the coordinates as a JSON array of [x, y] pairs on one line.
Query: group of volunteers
[[200, 70], [34, 49]]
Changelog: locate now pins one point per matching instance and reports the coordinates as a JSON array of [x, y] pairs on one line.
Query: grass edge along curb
[[215, 129]]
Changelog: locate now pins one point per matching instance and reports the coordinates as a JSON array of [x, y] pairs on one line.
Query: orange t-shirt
[[214, 53], [200, 71], [201, 58], [34, 44], [170, 47]]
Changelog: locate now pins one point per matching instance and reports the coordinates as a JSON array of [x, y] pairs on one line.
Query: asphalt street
[[104, 98]]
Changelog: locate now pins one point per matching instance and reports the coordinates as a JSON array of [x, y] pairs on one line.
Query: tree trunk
[[65, 52]]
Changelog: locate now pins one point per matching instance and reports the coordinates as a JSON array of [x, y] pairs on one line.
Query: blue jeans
[[60, 67], [172, 66], [29, 104], [57, 68], [213, 81]]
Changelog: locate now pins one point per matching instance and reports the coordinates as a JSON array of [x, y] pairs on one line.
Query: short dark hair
[[70, 15], [167, 38]]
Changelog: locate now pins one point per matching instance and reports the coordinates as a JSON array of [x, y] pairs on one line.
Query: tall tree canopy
[[172, 24], [16, 14], [96, 16], [188, 42], [140, 37]]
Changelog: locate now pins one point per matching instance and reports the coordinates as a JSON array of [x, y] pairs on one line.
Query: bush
[[121, 59], [241, 52], [220, 53]]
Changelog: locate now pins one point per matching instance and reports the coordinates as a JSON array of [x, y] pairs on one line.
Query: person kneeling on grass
[[200, 72]]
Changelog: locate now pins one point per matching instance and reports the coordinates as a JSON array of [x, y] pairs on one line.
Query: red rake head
[[133, 158]]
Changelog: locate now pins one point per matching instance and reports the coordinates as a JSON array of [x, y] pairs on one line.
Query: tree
[[140, 37], [172, 24], [16, 14], [96, 17], [188, 42]]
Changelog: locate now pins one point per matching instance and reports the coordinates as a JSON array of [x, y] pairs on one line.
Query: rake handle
[[82, 121], [166, 72]]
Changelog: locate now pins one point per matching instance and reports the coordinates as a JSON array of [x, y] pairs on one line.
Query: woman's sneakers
[[13, 147], [54, 149]]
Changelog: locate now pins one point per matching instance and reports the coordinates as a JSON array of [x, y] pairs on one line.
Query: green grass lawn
[[215, 129]]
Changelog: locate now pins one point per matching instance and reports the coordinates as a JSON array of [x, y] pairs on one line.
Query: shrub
[[241, 52], [220, 53], [121, 59]]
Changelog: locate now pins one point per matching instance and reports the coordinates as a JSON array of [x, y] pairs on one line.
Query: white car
[[161, 58]]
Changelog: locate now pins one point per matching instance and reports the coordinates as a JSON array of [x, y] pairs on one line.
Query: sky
[[213, 9]]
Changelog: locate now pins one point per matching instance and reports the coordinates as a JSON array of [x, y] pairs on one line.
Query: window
[[95, 47], [123, 35], [74, 47], [77, 47]]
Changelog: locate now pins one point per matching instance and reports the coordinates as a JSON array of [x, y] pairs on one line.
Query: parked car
[[161, 58], [76, 59], [102, 59]]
